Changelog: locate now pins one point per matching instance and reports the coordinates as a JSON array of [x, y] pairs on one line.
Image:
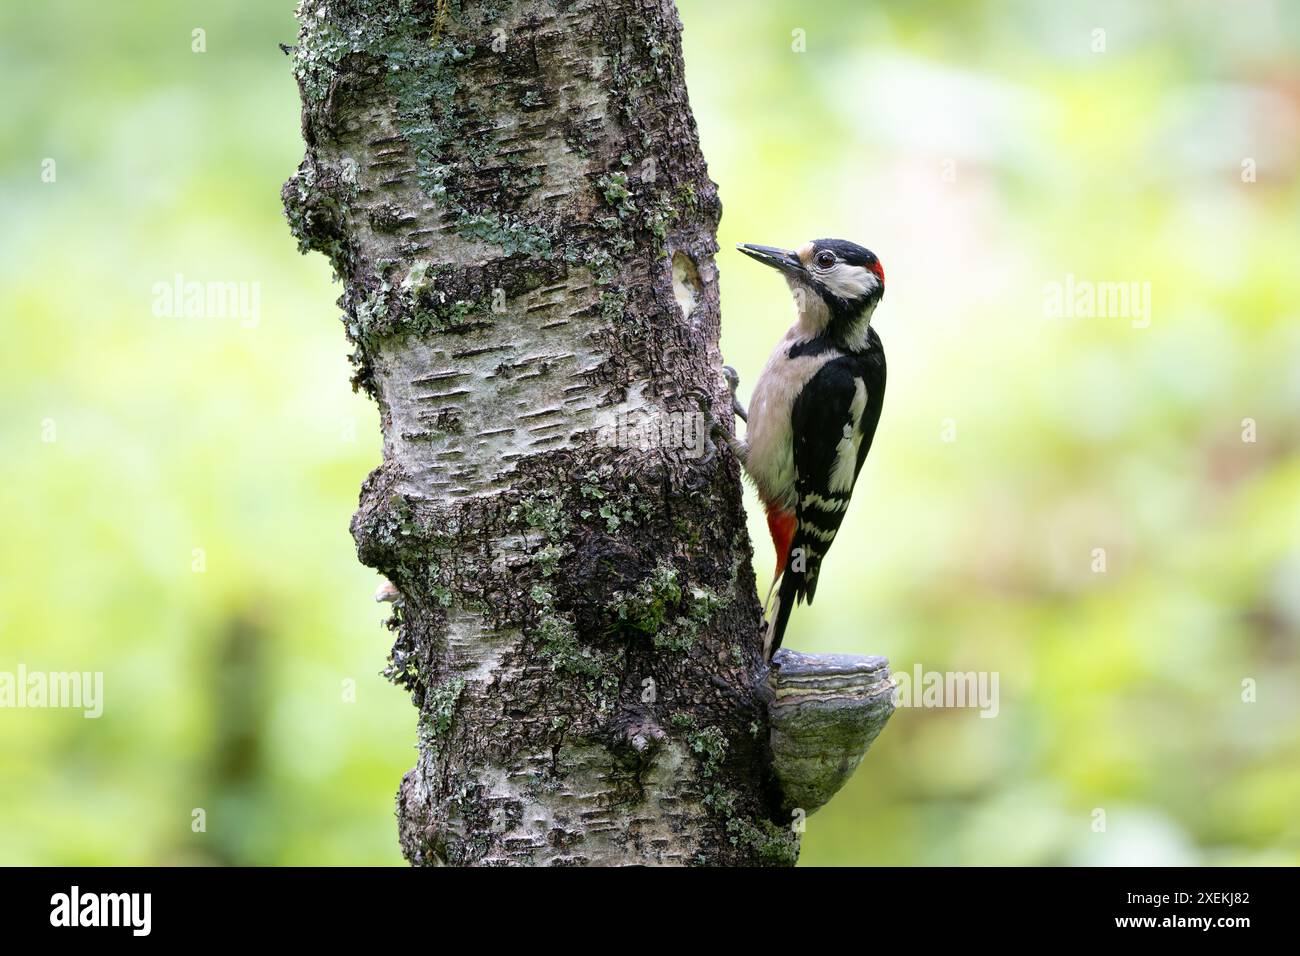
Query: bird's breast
[[771, 443]]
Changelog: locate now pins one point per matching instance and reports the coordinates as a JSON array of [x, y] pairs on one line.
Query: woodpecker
[[813, 412]]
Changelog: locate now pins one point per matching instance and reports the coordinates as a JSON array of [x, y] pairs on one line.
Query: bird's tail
[[779, 616]]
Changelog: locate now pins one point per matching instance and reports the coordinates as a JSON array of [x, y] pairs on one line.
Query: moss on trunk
[[514, 199]]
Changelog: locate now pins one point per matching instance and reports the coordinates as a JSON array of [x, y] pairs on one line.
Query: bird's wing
[[834, 421]]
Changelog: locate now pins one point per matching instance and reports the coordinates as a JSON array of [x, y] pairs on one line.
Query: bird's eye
[[825, 260]]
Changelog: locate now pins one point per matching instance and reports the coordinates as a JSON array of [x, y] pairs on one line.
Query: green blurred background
[[983, 150]]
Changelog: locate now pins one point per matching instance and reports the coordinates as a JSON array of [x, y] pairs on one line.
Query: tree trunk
[[514, 198]]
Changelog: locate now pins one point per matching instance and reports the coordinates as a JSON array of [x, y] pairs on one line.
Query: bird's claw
[[732, 378], [716, 433], [710, 452], [704, 403]]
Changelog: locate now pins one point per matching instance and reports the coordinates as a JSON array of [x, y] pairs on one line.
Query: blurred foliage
[[983, 150]]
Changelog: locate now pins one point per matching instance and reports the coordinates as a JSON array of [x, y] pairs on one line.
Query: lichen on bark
[[514, 199]]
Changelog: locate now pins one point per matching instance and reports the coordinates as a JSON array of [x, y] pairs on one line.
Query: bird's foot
[[732, 378], [716, 433], [712, 432]]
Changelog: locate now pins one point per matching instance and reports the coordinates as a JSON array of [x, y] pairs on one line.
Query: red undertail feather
[[781, 524]]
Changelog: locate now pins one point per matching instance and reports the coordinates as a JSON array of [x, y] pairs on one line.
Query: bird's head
[[836, 285]]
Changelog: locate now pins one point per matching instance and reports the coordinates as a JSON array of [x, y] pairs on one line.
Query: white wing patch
[[846, 452]]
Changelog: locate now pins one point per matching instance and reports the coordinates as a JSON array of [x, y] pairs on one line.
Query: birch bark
[[514, 199]]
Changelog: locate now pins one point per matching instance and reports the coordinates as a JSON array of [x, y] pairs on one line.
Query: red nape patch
[[879, 270], [781, 524]]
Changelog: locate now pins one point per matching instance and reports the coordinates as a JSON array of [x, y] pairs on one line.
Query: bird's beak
[[781, 259]]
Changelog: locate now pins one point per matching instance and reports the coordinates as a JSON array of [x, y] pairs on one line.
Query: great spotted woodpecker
[[814, 410]]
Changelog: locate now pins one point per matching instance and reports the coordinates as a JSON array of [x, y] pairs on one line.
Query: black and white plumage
[[814, 411]]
